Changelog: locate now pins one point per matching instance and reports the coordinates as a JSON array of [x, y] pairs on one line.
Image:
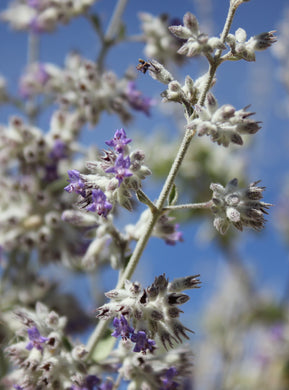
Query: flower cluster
[[196, 43], [92, 382], [239, 207], [157, 370], [160, 44], [44, 355], [113, 177], [224, 124], [32, 163], [188, 94], [80, 84], [153, 310], [243, 49], [142, 342], [43, 15]]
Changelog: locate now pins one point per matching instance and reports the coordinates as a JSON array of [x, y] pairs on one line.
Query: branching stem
[[215, 61], [204, 205]]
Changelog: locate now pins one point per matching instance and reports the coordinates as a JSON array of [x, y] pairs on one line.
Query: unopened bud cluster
[[188, 94], [196, 42], [153, 310], [225, 124], [238, 207], [243, 49]]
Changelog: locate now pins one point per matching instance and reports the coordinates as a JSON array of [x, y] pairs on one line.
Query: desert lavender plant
[[86, 237]]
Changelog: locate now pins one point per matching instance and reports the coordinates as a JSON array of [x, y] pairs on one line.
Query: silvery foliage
[[60, 201]]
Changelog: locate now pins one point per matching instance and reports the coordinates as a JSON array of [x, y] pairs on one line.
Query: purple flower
[[35, 26], [42, 76], [59, 150], [122, 328], [35, 339], [17, 387], [142, 342], [174, 237], [51, 173], [76, 183], [33, 3], [91, 382], [119, 141], [100, 204], [120, 168], [277, 332], [136, 99], [167, 379]]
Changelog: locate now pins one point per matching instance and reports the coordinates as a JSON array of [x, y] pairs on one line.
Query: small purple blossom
[[121, 168], [122, 328], [17, 387], [34, 3], [91, 382], [99, 203], [51, 173], [35, 26], [136, 99], [119, 141], [277, 332], [167, 379], [59, 150], [36, 340], [42, 76], [76, 183], [142, 342], [174, 237]]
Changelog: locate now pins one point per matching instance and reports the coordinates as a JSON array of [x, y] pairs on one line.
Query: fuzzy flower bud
[[239, 207], [156, 70]]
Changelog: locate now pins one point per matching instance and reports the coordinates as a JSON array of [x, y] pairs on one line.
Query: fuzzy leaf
[[104, 347], [173, 196]]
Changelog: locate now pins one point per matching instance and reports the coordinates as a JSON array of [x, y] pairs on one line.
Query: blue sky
[[265, 253]]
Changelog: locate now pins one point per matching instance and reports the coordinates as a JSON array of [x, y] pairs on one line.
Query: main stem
[[115, 20], [155, 213], [32, 57], [142, 242], [111, 31]]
